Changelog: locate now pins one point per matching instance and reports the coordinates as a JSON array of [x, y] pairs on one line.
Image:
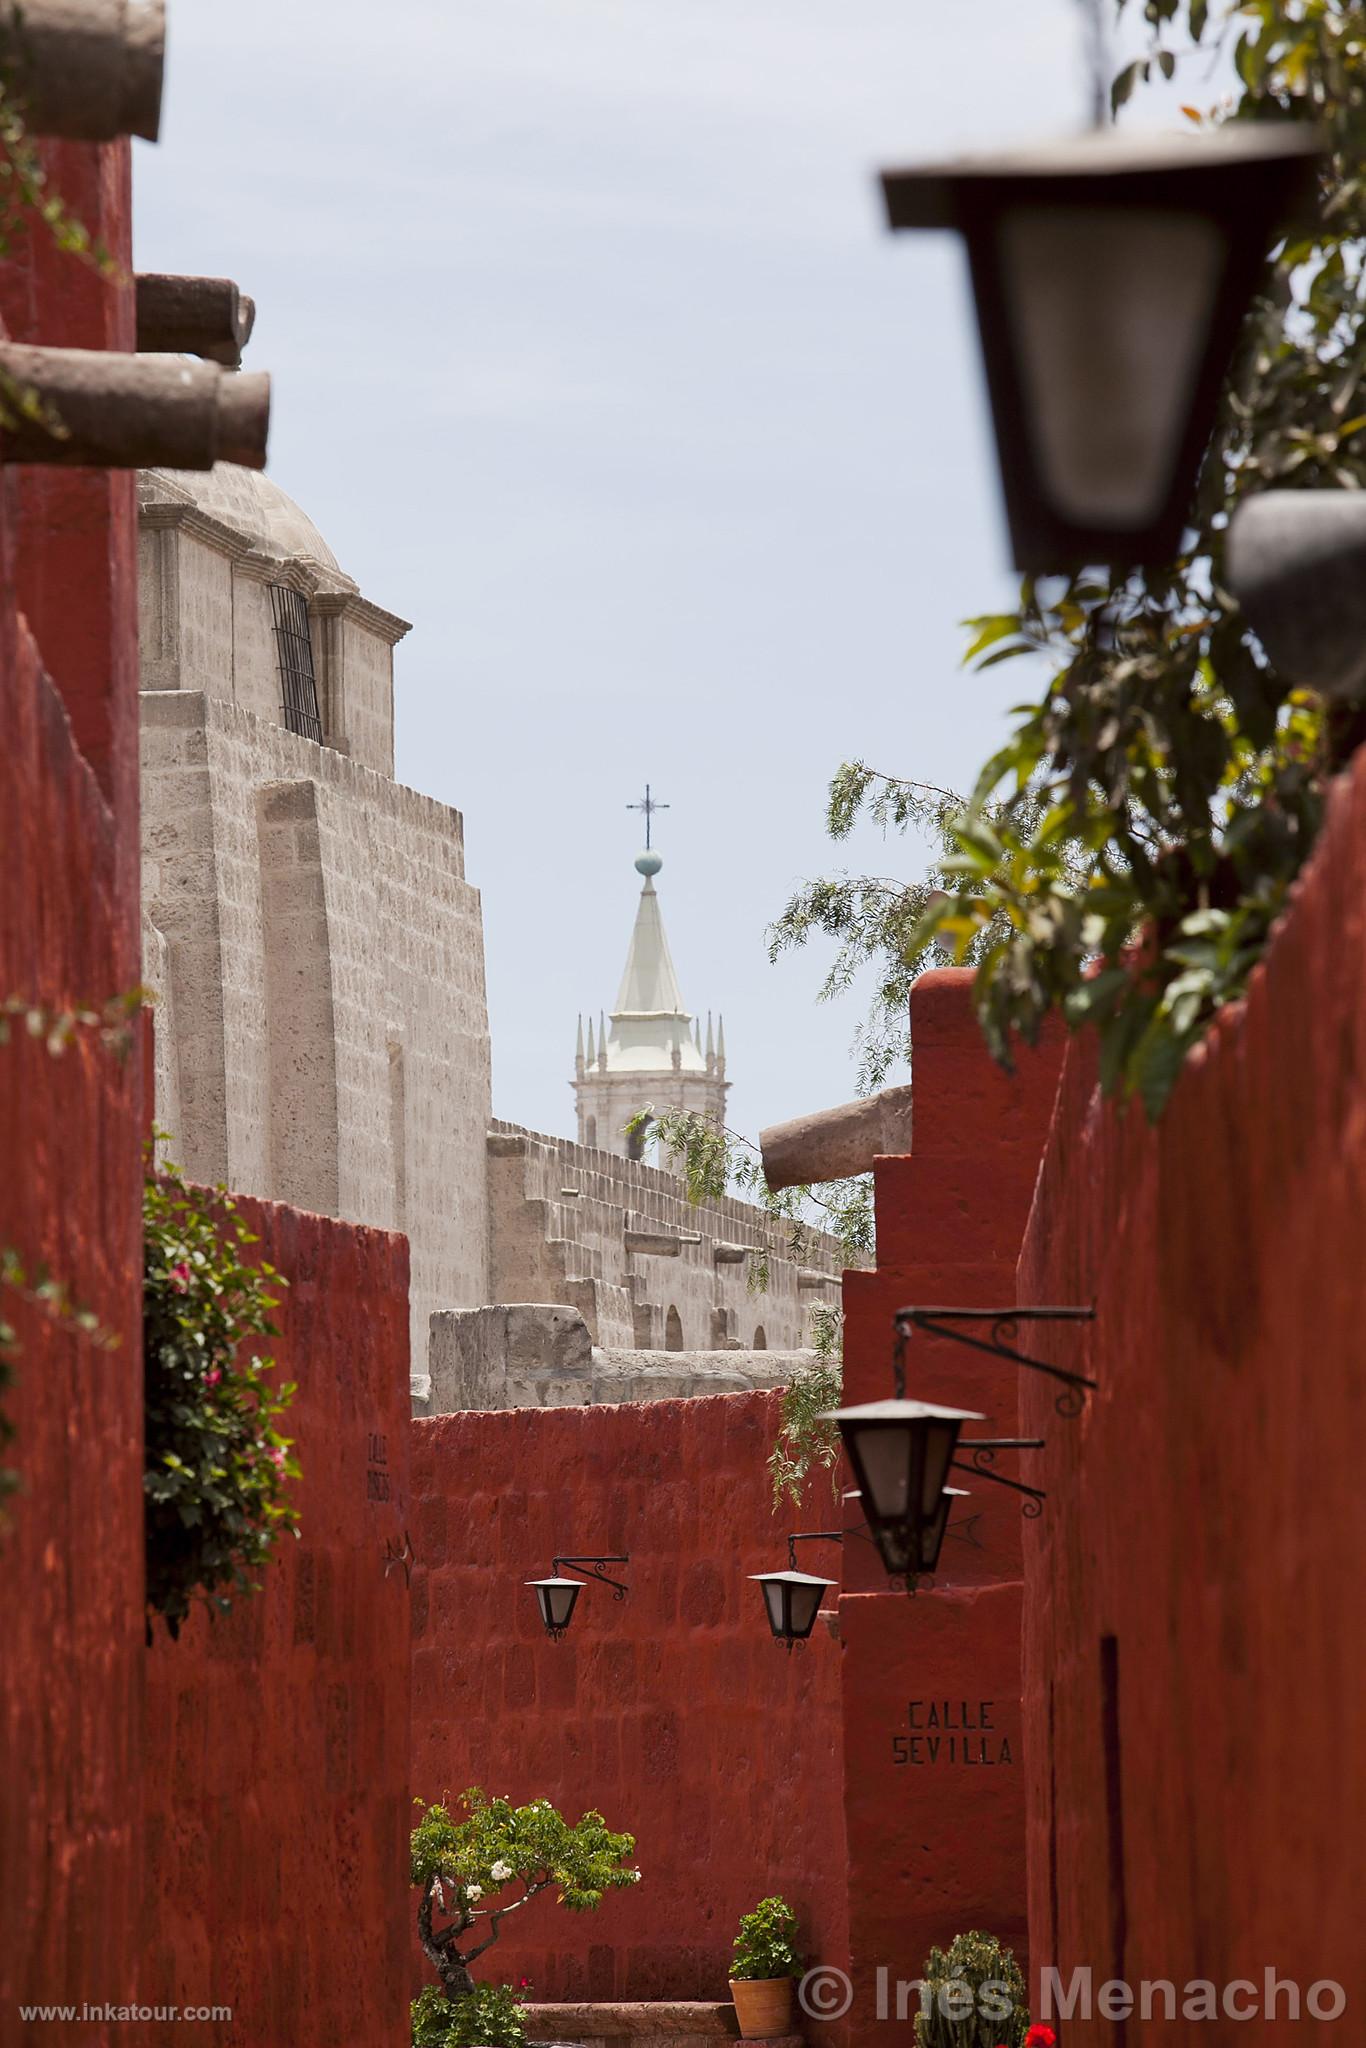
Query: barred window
[[298, 682]]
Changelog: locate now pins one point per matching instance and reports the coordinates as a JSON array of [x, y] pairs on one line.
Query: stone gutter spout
[[88, 70], [834, 1144], [193, 316], [134, 412]]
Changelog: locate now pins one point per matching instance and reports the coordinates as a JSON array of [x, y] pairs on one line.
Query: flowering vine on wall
[[216, 1465]]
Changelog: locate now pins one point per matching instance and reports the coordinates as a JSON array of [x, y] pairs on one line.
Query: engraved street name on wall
[[956, 1732]]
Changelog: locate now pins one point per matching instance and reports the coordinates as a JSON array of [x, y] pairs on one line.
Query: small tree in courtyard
[[492, 1858]]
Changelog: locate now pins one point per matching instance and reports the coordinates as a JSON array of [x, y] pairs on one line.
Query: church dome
[[248, 501]]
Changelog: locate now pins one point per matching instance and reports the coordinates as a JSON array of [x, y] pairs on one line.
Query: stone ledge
[[616, 2020]]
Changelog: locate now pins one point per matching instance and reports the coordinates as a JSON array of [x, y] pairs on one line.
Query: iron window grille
[[294, 647]]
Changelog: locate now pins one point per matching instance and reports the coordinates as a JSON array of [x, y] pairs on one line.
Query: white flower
[[636, 1876], [500, 1872], [474, 1891]]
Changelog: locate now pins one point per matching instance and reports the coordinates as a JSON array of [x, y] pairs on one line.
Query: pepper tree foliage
[[1170, 784], [491, 1861], [216, 1465], [713, 1161]]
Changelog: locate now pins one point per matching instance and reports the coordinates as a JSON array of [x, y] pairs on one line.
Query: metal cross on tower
[[649, 806]]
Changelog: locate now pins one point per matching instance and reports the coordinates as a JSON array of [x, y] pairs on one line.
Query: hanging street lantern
[[903, 1561], [556, 1599], [900, 1452], [792, 1600], [557, 1596], [1111, 278]]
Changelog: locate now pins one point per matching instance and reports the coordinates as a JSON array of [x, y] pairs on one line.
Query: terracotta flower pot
[[763, 2006]]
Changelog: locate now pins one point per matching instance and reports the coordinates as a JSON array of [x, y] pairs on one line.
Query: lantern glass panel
[[941, 1441], [1111, 313], [882, 1452], [804, 1606], [774, 1601], [933, 1533], [556, 1598]]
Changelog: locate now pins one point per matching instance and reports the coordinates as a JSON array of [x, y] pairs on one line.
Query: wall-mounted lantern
[[912, 1556], [901, 1452], [557, 1596], [792, 1600], [1111, 277]]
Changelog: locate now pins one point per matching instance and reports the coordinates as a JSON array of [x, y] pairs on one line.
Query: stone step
[[653, 2021]]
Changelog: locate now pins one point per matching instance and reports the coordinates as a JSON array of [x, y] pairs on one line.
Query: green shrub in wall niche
[[216, 1465]]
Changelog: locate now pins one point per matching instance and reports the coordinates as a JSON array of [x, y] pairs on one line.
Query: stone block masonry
[[71, 1650], [1195, 1673], [538, 1355], [277, 1801], [933, 1758], [673, 1711], [620, 1241], [323, 975]]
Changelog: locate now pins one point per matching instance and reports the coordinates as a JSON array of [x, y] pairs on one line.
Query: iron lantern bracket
[[1004, 1327], [813, 1536], [984, 1451], [593, 1569]]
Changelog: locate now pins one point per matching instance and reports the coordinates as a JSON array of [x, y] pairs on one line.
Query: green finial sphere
[[648, 863]]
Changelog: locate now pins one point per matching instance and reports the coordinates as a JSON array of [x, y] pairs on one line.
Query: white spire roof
[[650, 1027], [649, 986]]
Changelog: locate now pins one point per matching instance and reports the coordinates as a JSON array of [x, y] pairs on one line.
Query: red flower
[[1040, 2036], [179, 1277]]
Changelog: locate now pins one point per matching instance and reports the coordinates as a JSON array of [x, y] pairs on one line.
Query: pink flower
[[179, 1277], [212, 1376], [277, 1459]]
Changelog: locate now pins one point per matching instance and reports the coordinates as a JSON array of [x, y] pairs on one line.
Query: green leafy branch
[[492, 1858], [806, 1442], [1124, 856], [714, 1161]]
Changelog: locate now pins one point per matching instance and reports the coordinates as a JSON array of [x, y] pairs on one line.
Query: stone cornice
[[329, 592], [330, 602]]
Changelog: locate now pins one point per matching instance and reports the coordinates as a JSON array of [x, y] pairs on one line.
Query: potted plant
[[765, 1961]]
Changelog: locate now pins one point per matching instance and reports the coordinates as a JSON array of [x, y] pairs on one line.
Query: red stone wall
[[277, 1736], [931, 1686], [674, 1712], [70, 1176], [1196, 1668]]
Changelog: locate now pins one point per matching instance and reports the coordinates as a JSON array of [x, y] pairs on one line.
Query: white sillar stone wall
[[613, 1238], [323, 956]]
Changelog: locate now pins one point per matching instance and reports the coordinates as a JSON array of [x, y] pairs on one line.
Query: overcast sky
[[593, 359]]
